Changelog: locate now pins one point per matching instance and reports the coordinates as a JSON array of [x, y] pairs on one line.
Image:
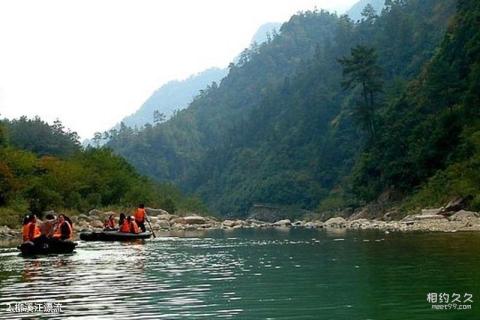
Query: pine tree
[[361, 69]]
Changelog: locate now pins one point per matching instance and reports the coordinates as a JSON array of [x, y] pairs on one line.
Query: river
[[252, 274]]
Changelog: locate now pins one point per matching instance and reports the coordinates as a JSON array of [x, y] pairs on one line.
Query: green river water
[[252, 274]]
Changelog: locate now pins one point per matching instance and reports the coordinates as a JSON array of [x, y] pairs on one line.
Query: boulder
[[429, 217], [96, 224], [163, 224], [4, 230], [165, 216], [177, 220], [156, 212], [83, 225], [82, 217], [252, 221], [178, 226], [463, 215], [228, 223], [299, 224], [283, 223], [194, 220], [313, 225], [240, 223], [337, 222], [107, 214], [360, 224], [94, 212], [387, 216], [432, 212]]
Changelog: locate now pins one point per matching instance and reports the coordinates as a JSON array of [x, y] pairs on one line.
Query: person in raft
[[140, 215], [109, 224], [122, 219], [47, 227], [129, 225], [63, 230], [31, 231]]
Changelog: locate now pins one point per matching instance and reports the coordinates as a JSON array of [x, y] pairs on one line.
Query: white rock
[[228, 223], [313, 224], [337, 222], [94, 212], [283, 223], [299, 223], [431, 212], [82, 217], [163, 224], [464, 215], [157, 212], [194, 220], [429, 217], [96, 224]]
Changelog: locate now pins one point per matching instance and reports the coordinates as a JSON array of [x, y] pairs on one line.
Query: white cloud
[[90, 63]]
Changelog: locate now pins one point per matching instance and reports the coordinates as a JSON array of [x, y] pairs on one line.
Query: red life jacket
[[140, 215], [31, 231], [125, 227], [134, 227], [58, 231]]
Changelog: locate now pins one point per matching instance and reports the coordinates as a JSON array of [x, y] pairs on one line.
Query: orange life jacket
[[140, 214], [125, 227], [31, 231], [25, 232], [134, 227], [58, 231], [109, 223]]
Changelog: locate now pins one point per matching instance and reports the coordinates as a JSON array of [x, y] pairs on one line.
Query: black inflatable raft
[[113, 236], [50, 246]]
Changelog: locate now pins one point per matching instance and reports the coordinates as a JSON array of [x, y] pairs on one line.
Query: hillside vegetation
[[42, 167], [293, 124]]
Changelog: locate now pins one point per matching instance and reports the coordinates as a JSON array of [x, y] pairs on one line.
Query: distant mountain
[[355, 12], [174, 95], [265, 31], [178, 94]]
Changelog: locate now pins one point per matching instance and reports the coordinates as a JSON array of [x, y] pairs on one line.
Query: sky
[[90, 63]]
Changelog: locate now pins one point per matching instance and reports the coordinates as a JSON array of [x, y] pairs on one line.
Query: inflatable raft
[[51, 246], [113, 236]]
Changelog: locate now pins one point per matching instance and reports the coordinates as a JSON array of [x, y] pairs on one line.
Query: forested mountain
[[329, 114]]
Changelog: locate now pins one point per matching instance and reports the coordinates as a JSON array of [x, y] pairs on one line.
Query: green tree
[[369, 14], [158, 117], [97, 139], [361, 70], [3, 135]]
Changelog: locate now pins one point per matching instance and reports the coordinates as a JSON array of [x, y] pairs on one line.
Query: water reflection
[[246, 274], [31, 270]]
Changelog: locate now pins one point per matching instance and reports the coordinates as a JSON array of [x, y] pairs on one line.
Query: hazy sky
[[92, 62]]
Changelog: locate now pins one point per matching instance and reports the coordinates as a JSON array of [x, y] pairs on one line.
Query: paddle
[[151, 229]]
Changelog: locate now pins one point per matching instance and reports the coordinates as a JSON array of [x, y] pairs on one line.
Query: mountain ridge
[[279, 128]]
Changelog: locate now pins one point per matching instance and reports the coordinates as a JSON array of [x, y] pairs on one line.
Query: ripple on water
[[250, 277]]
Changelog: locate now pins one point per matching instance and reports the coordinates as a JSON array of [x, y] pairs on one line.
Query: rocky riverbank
[[429, 220]]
